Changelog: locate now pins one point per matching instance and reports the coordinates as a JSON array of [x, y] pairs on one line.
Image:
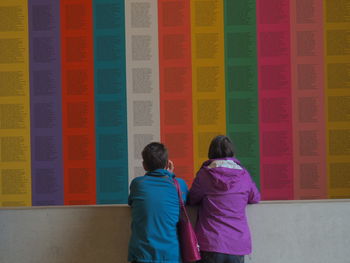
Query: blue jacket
[[155, 214]]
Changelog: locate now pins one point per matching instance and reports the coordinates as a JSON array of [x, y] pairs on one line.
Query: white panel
[[142, 67]]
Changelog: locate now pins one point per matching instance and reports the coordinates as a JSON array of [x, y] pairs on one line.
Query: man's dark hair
[[220, 147], [155, 156]]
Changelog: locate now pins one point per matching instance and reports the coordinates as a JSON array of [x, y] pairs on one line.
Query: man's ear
[[144, 166]]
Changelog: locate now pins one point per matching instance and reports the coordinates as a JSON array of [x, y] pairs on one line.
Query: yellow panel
[[208, 75], [15, 174]]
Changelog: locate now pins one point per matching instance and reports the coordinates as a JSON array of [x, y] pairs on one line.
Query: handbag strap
[[181, 202]]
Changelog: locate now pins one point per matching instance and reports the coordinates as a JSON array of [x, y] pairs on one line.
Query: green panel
[[241, 82], [110, 102]]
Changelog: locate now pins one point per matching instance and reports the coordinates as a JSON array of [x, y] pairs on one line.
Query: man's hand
[[170, 166]]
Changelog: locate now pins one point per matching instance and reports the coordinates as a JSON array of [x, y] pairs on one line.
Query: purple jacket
[[223, 189]]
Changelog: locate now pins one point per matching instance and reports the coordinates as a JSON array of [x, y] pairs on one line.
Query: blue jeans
[[214, 257]]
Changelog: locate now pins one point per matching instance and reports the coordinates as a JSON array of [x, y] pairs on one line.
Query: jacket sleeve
[[254, 194], [184, 189], [197, 192]]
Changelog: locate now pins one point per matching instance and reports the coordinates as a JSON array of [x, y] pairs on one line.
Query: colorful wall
[[86, 84]]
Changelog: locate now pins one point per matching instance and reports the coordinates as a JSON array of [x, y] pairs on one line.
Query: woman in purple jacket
[[222, 189]]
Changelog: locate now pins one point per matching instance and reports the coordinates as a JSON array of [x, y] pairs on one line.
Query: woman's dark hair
[[155, 156], [220, 147]]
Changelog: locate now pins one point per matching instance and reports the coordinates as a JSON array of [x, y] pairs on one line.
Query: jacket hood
[[223, 172]]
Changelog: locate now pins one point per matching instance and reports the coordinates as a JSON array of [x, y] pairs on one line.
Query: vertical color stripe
[[308, 99], [208, 71], [141, 23], [110, 102], [176, 84], [337, 72], [15, 175], [78, 102], [241, 82], [275, 112], [45, 102]]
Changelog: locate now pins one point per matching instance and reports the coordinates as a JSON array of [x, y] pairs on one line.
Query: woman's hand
[[170, 166]]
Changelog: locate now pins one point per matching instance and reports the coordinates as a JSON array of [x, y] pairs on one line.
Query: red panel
[[275, 101], [174, 26], [78, 102]]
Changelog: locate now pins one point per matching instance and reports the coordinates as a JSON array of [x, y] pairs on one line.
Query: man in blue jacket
[[155, 209]]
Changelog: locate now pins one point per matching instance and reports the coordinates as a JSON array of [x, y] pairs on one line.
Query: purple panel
[[45, 102]]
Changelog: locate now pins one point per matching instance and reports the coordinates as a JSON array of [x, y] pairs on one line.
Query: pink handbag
[[188, 240]]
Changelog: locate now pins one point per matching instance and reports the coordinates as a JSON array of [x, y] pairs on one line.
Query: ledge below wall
[[283, 232]]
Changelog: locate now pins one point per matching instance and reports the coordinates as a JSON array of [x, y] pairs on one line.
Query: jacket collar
[[160, 173]]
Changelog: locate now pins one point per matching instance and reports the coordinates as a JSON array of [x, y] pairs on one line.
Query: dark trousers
[[214, 257]]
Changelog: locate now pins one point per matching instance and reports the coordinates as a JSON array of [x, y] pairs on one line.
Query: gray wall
[[283, 232]]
